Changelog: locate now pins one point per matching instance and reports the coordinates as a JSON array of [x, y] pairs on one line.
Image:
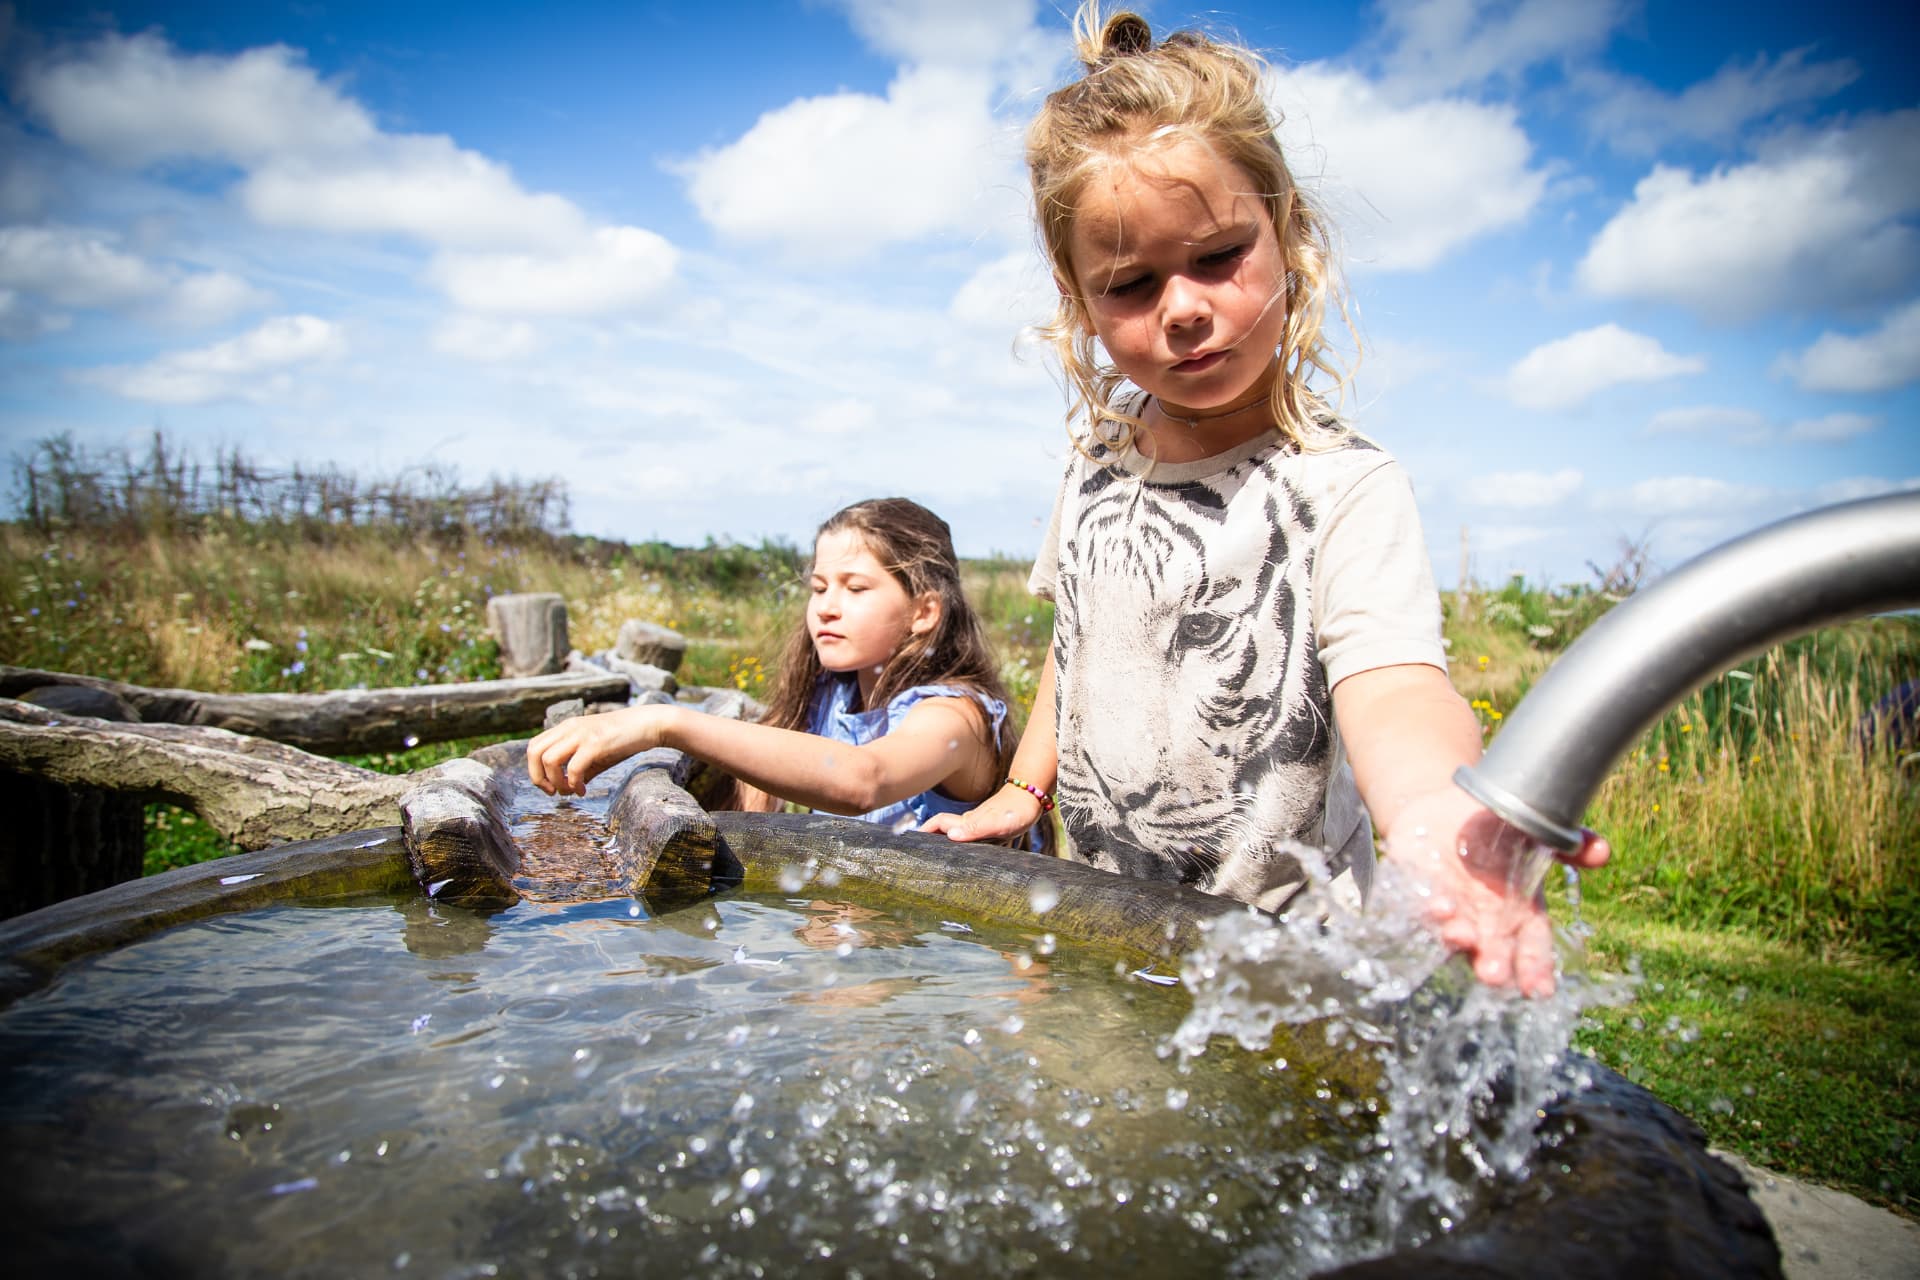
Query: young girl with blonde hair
[[1246, 648], [887, 704]]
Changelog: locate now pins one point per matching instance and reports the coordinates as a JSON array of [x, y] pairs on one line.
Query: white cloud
[[835, 176], [1686, 496], [840, 418], [1436, 45], [614, 268], [1886, 358], [1834, 428], [239, 368], [420, 186], [1571, 370], [134, 99], [209, 298], [940, 33], [85, 268], [1818, 219], [1409, 184], [1744, 425], [1633, 116], [309, 157], [485, 339], [1006, 295], [20, 321], [74, 268], [1524, 490], [1852, 488], [1493, 539]]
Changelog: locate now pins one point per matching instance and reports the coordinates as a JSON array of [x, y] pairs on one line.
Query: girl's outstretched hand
[[1007, 812], [1480, 880], [565, 758]]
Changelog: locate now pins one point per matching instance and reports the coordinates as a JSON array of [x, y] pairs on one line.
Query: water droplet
[[634, 911], [905, 822], [751, 1179], [1013, 1024], [412, 741], [1176, 1099], [1046, 944], [972, 1036], [243, 879], [793, 878], [420, 1023], [1043, 894]]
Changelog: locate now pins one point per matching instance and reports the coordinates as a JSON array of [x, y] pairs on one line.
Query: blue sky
[[1644, 271]]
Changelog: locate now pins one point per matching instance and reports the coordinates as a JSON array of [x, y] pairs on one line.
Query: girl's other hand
[[1482, 876], [1007, 812], [565, 758]]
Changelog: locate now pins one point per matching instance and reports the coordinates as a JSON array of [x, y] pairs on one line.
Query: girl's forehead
[[844, 551], [1181, 187], [1174, 183]]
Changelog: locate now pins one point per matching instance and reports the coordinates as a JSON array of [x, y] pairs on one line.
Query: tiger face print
[[1193, 709]]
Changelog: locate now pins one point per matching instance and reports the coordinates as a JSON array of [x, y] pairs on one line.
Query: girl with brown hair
[[887, 705]]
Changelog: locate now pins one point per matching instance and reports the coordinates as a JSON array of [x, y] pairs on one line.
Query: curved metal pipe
[[1621, 676]]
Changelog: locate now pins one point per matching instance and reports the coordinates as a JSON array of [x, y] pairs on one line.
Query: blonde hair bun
[[1124, 35]]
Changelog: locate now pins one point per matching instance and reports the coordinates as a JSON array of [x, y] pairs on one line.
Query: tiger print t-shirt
[[1204, 612]]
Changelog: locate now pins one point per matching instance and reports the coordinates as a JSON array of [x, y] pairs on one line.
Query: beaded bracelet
[[1046, 801]]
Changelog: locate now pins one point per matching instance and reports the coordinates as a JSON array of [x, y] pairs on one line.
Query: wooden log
[[351, 720], [251, 791], [531, 627], [457, 844], [61, 841], [58, 842], [1145, 921], [664, 838]]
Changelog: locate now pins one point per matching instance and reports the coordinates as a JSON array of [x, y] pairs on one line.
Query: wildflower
[[1483, 660], [257, 645]]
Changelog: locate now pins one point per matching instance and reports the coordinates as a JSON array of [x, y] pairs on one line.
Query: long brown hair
[[916, 547]]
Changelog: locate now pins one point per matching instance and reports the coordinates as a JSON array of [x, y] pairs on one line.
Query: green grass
[[1806, 1065]]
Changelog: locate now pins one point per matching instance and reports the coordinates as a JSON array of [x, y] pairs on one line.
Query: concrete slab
[[1829, 1235]]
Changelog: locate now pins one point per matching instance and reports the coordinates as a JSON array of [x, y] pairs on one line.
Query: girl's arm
[[936, 740], [1011, 810], [1406, 731]]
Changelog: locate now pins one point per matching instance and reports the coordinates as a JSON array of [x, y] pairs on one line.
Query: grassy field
[[1763, 888]]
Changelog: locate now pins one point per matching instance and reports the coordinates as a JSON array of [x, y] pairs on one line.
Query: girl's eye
[[1226, 257], [1131, 285]]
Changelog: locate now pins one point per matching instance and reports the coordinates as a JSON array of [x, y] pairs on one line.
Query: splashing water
[[1465, 1070]]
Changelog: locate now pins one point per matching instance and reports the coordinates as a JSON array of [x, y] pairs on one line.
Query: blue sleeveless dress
[[830, 717]]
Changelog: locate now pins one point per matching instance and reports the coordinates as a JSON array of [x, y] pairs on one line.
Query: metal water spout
[[1622, 675]]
